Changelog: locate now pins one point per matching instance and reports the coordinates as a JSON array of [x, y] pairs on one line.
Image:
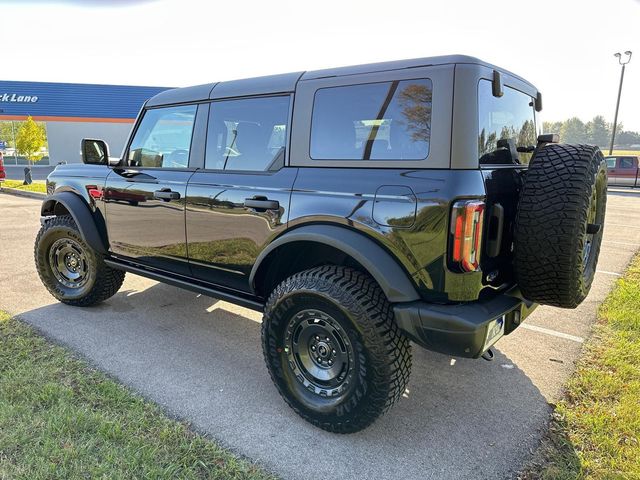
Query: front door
[[145, 194], [240, 201]]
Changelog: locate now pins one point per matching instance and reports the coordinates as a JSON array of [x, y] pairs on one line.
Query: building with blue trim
[[71, 112]]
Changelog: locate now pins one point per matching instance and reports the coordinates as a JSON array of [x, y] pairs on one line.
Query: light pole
[[615, 118]]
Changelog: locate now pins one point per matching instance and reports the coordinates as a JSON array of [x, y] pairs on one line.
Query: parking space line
[[605, 272], [622, 225], [553, 333], [628, 244]]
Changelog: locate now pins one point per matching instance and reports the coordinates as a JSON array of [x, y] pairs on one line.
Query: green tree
[[598, 131], [552, 127], [573, 131], [30, 139], [628, 138]]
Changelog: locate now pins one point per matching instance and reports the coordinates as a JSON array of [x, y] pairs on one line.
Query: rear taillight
[[466, 234]]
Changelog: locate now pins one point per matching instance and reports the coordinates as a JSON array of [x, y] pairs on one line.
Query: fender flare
[[81, 214], [392, 278]]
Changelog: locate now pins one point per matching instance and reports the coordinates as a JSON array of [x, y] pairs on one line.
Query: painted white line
[[553, 333], [622, 225], [628, 244], [609, 273]]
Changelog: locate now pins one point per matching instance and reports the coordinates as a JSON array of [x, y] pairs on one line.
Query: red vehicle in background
[[623, 170], [2, 172]]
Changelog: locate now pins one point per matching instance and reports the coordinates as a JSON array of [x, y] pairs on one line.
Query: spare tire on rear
[[559, 224]]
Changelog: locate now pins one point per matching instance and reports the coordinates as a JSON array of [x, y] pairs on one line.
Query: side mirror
[[538, 102], [94, 152]]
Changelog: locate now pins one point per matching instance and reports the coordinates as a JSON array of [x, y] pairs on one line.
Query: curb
[[22, 193]]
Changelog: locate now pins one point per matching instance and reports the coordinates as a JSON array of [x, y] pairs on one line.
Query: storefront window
[[10, 131]]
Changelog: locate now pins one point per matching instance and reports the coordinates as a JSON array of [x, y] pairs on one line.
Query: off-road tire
[[382, 360], [556, 202], [102, 281]]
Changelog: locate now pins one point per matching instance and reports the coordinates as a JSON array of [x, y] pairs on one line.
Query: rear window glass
[[504, 124], [374, 121]]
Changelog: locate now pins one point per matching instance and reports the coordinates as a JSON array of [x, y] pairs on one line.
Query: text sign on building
[[14, 98]]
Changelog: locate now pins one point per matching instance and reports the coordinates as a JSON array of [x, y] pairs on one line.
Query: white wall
[[64, 138]]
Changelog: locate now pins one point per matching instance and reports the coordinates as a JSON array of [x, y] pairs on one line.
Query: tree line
[[596, 132]]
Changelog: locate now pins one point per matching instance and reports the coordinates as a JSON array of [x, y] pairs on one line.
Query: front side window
[[163, 138], [505, 123], [611, 162], [374, 121], [247, 134]]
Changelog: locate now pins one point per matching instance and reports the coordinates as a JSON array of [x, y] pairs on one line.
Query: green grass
[[37, 186], [595, 432], [60, 418], [620, 152]]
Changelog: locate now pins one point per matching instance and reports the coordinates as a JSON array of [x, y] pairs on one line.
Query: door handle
[[166, 194], [261, 203]]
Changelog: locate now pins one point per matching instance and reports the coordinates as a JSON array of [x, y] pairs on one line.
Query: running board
[[194, 287]]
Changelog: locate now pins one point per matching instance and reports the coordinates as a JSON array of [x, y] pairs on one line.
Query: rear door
[[145, 194], [626, 171], [240, 201]]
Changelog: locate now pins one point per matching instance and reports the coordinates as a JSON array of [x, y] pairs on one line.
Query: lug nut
[[313, 348], [330, 362]]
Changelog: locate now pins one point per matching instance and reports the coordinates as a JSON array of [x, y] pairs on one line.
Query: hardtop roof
[[286, 83]]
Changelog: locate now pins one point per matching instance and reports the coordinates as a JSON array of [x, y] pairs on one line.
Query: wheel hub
[[68, 263], [319, 352], [592, 215]]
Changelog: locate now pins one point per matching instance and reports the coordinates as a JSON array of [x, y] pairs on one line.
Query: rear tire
[[333, 349], [69, 268], [562, 202]]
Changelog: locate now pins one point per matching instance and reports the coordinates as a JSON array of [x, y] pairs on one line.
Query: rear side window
[[505, 123], [163, 138], [247, 134], [626, 162], [374, 121]]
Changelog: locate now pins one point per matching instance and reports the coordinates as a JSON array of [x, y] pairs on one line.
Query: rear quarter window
[[374, 121], [505, 120]]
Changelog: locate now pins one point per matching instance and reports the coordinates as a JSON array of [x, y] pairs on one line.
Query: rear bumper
[[461, 330]]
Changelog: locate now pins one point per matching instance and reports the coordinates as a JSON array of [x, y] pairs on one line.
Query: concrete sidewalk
[[201, 360]]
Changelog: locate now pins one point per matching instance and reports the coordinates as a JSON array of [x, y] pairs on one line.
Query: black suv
[[359, 208]]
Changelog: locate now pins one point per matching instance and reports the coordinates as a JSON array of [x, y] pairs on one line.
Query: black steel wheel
[[69, 268], [319, 352], [69, 263], [333, 348]]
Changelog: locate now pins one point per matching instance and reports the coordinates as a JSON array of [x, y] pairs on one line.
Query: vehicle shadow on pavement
[[458, 419]]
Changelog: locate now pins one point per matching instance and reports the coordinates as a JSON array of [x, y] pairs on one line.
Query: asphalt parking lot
[[201, 360]]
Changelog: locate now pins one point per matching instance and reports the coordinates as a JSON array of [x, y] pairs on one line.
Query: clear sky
[[564, 47]]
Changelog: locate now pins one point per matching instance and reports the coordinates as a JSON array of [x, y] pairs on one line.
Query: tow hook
[[488, 355]]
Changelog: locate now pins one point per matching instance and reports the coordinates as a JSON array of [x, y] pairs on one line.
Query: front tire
[[333, 349], [69, 268]]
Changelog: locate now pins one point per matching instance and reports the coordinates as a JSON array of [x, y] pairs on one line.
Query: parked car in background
[[623, 170], [3, 175]]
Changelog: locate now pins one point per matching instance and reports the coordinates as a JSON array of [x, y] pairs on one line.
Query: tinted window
[[611, 162], [163, 138], [504, 122], [375, 121], [247, 134], [626, 162]]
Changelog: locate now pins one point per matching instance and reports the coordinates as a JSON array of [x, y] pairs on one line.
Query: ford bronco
[[359, 208]]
